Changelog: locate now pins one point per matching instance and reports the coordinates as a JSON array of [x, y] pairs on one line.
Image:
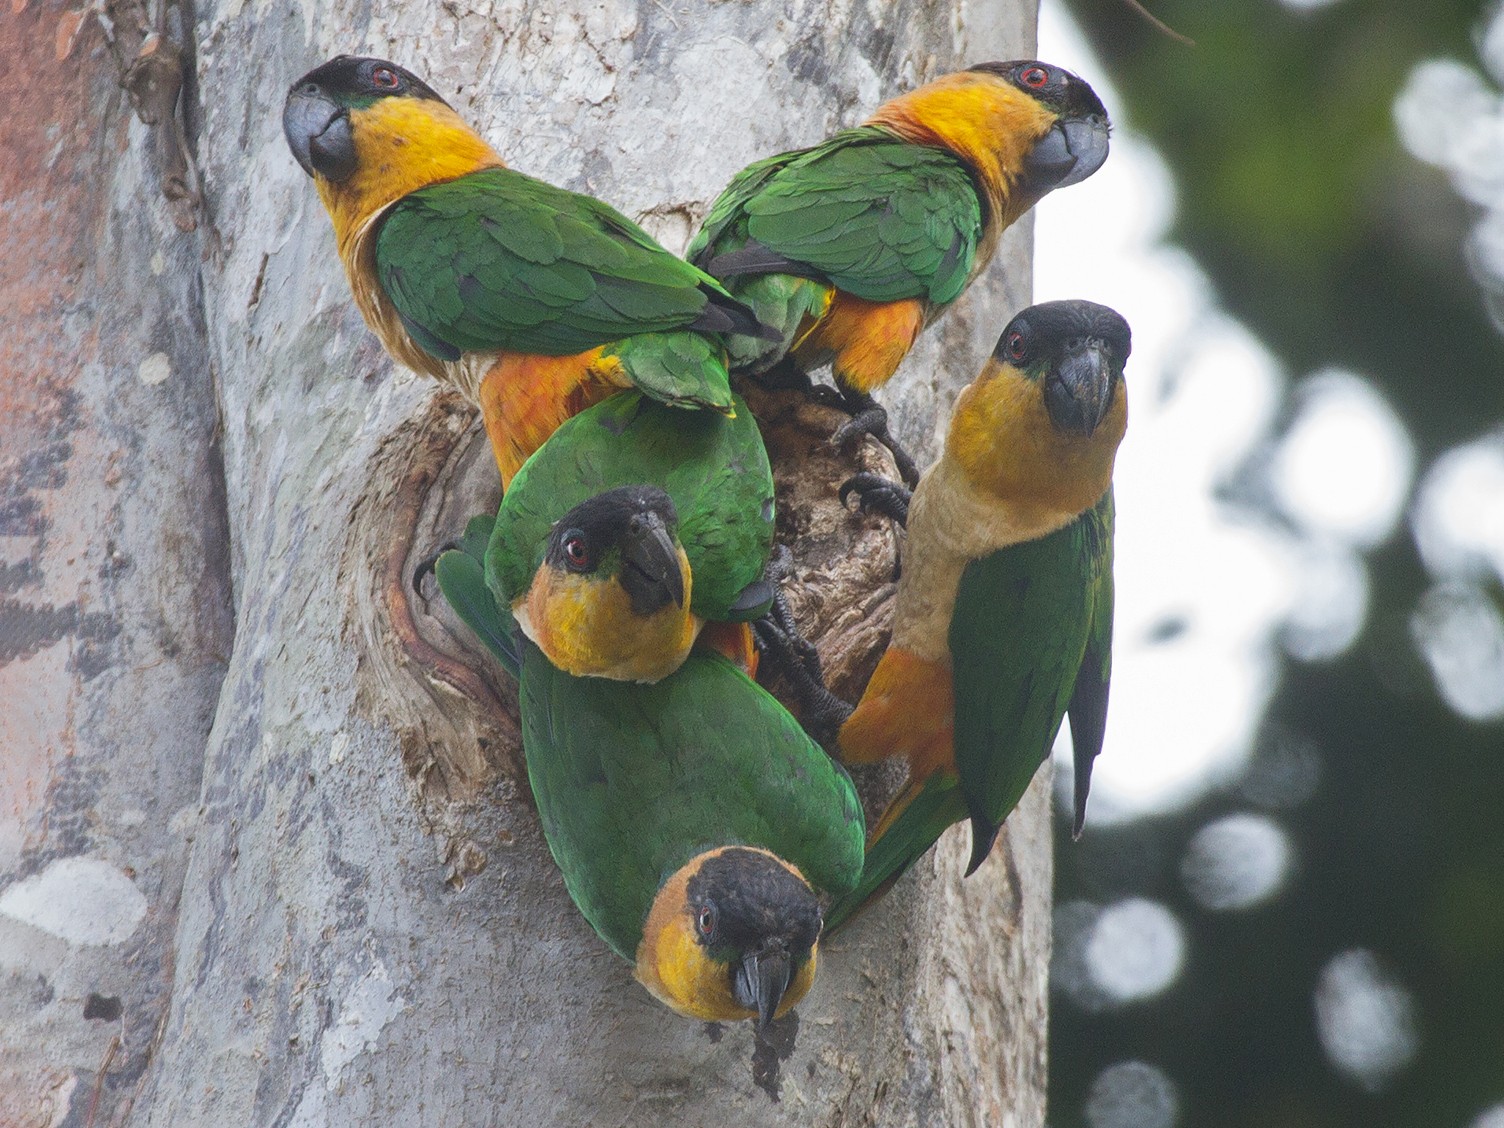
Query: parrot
[[533, 301], [1002, 624], [627, 531], [851, 247], [698, 828]]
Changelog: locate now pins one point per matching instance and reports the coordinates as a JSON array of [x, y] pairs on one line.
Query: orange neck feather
[[404, 144], [988, 123]]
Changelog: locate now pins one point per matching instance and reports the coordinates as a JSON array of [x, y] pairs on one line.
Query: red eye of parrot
[[385, 77], [1035, 77], [1016, 348], [576, 553], [706, 921]]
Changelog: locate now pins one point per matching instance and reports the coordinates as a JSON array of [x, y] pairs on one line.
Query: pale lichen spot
[[79, 900], [154, 370]]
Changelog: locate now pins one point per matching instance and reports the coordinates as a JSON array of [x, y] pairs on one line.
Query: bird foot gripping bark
[[876, 494], [427, 565], [868, 417], [779, 640]]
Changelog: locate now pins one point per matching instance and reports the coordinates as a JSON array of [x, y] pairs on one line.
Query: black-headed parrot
[[698, 828], [533, 301], [851, 247], [633, 527], [1003, 620]]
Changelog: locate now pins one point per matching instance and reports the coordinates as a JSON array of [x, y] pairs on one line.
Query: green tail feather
[[782, 301], [681, 369], [462, 578], [937, 806]]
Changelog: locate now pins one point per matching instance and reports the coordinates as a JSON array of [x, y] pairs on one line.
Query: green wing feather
[[633, 780], [1026, 620], [461, 576], [499, 262], [934, 806], [725, 226], [1018, 637], [715, 469], [876, 216], [1088, 708]]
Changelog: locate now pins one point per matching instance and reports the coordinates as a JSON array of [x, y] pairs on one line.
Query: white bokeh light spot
[[1136, 949], [1459, 511], [1460, 633], [1132, 1094], [1236, 862], [1345, 465], [1365, 1019]]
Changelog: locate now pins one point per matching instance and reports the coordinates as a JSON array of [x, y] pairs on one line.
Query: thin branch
[[1159, 24]]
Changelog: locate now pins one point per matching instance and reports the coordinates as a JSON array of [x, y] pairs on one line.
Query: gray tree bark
[[265, 854]]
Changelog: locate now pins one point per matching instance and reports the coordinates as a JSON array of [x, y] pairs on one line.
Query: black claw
[[868, 417], [428, 563], [781, 643], [780, 565], [878, 495], [824, 712]]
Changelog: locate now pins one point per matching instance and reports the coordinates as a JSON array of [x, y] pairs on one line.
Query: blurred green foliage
[[1336, 248]]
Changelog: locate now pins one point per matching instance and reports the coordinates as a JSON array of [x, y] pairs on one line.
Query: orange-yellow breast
[[908, 710], [524, 399], [863, 341], [733, 641]]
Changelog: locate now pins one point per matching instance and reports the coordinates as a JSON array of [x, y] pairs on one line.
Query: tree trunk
[[265, 853]]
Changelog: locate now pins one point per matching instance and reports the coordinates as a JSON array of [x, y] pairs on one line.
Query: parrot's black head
[[1075, 145], [1077, 349], [1067, 94], [317, 116], [756, 920], [626, 534], [610, 596]]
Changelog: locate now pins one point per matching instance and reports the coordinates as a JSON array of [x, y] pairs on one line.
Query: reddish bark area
[[54, 206], [114, 581]]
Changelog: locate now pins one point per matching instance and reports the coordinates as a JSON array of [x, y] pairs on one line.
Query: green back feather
[[498, 261], [1031, 632], [876, 216], [633, 780], [1088, 708], [715, 469]]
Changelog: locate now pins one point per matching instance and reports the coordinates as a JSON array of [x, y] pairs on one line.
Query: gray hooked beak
[[761, 979], [1072, 150], [318, 133], [1078, 392], [650, 565]]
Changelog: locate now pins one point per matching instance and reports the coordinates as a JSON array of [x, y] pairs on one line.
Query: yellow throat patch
[[586, 627], [1006, 444]]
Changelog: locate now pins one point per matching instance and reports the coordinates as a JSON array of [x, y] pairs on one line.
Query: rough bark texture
[[265, 857]]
